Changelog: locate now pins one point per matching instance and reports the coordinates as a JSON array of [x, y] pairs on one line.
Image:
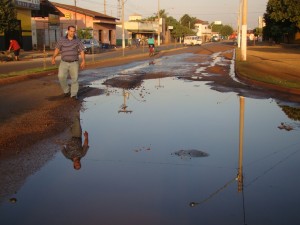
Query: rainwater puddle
[[167, 152]]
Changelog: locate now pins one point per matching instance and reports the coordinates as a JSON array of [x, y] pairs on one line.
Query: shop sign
[[29, 4]]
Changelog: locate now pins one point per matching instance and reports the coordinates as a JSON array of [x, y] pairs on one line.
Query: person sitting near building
[[14, 45]]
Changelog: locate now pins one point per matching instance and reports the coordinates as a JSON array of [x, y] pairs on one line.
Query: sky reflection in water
[[131, 176]]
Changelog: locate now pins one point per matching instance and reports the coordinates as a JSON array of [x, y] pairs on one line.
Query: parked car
[[91, 46], [215, 39]]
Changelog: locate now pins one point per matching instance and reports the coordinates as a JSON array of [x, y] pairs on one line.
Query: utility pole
[[75, 14], [124, 106], [123, 31], [244, 31], [105, 7], [239, 24], [158, 31], [241, 143], [119, 9]]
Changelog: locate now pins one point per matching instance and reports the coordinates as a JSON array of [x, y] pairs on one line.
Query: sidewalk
[[9, 56], [48, 53], [35, 61], [34, 54]]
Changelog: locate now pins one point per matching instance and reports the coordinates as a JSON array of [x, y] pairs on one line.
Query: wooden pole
[[158, 31], [244, 31], [123, 31], [240, 168]]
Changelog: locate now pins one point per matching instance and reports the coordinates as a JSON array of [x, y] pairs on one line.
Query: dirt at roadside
[[33, 108]]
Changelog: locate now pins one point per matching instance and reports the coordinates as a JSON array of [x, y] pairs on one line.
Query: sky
[[206, 10]]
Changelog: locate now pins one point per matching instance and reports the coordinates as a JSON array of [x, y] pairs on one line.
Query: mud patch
[[228, 55], [217, 70], [190, 153], [133, 81]]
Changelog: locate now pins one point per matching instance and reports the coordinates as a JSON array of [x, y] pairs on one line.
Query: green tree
[[85, 33], [177, 30], [188, 21], [272, 30], [284, 10], [257, 31], [216, 27], [292, 113], [226, 31], [162, 14], [180, 29], [282, 19], [8, 16]]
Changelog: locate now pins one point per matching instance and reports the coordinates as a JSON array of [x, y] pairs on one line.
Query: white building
[[203, 30], [138, 29]]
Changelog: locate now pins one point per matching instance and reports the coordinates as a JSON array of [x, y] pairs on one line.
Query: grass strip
[[248, 70]]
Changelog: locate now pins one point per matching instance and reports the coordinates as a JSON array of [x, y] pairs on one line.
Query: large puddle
[[168, 152]]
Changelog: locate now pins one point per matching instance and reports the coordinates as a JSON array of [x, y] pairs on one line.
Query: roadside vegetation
[[261, 70], [245, 70], [185, 26], [8, 16], [27, 72], [282, 20]]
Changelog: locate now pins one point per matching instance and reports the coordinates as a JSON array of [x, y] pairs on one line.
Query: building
[[138, 28], [45, 24], [23, 34], [42, 23], [261, 22], [52, 26], [203, 30]]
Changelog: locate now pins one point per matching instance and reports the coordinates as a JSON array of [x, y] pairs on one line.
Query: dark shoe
[[74, 97], [67, 94]]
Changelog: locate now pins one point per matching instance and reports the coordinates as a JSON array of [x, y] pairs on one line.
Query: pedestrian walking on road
[[14, 45], [70, 47]]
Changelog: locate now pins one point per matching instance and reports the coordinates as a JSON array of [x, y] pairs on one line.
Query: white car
[[192, 40]]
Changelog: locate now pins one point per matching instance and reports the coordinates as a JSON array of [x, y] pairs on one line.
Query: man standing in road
[[70, 47]]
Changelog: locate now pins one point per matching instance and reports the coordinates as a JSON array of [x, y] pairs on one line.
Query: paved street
[[262, 60], [179, 106], [33, 60]]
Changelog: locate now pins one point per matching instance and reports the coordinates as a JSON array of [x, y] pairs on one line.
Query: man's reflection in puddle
[[74, 149]]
